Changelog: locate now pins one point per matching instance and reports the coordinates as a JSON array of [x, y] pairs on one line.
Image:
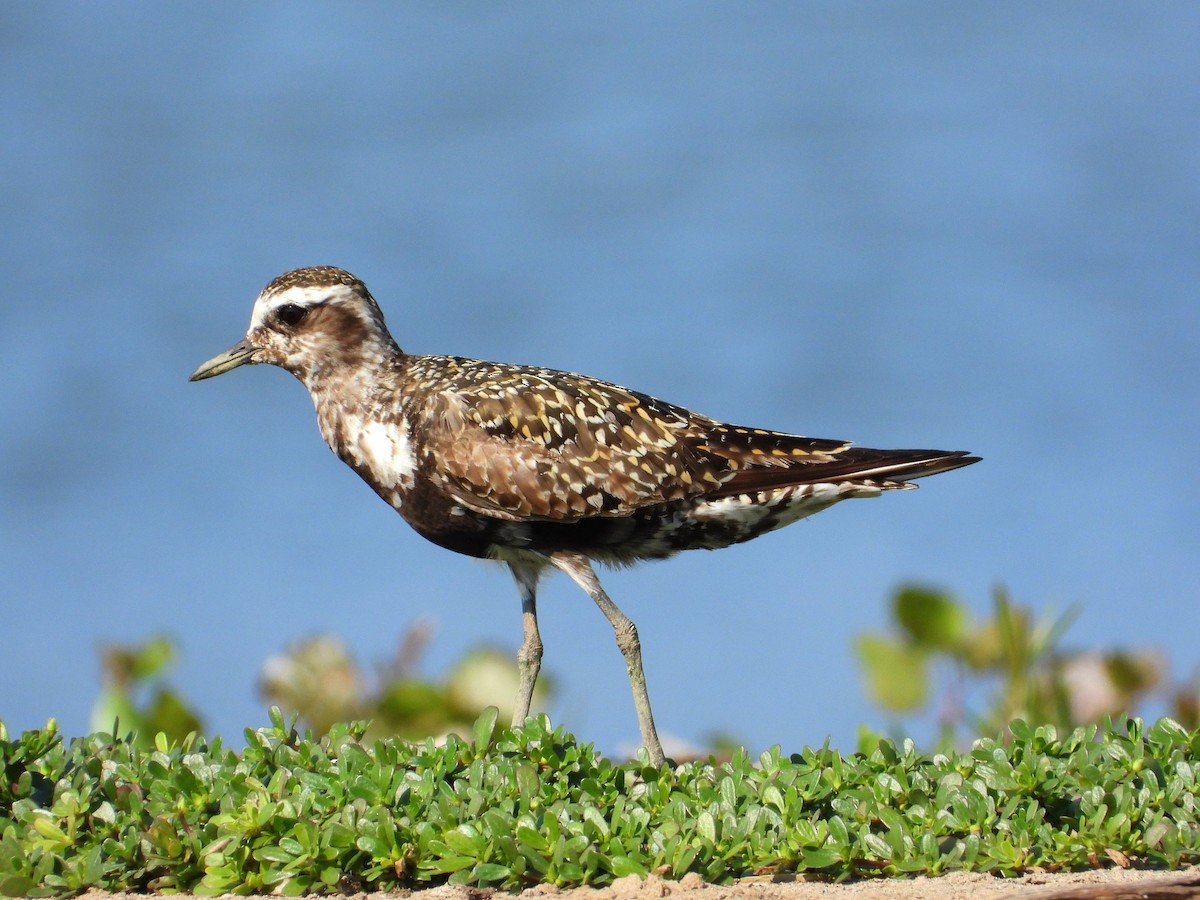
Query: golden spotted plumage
[[542, 468]]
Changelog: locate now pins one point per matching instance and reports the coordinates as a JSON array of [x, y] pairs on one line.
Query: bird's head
[[311, 322]]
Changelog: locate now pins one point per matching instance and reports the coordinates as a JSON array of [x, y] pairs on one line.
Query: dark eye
[[290, 314]]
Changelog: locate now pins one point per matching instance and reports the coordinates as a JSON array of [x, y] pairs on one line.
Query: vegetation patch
[[514, 807]]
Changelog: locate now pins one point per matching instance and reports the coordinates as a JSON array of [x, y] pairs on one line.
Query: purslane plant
[[294, 814]]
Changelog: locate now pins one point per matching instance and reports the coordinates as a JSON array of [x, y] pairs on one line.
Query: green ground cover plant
[[295, 814]]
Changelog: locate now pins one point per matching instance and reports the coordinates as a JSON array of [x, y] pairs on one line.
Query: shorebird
[[540, 468]]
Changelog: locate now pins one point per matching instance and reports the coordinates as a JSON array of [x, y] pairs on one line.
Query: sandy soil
[[1110, 884]]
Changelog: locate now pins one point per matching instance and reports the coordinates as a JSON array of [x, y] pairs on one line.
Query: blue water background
[[956, 225]]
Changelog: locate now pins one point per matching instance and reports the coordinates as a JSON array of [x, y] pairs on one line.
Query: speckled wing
[[527, 443], [517, 443]]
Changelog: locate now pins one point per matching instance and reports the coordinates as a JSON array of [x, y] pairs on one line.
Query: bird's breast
[[380, 449]]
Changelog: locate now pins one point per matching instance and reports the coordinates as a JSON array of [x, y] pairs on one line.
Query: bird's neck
[[352, 389]]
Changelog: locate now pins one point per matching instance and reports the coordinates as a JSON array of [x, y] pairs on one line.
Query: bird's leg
[[582, 574], [529, 657]]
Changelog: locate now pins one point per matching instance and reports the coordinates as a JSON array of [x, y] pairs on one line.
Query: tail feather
[[849, 465]]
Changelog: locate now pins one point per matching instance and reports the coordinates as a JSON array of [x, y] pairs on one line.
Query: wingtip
[[920, 464]]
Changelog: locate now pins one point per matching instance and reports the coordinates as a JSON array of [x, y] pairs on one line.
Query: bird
[[544, 469]]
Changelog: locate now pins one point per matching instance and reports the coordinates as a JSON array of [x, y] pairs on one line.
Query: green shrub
[[510, 808]]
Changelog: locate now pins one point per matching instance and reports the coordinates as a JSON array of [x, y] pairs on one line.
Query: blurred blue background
[[962, 226]]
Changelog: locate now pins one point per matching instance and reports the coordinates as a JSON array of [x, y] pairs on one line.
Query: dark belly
[[476, 535], [437, 518]]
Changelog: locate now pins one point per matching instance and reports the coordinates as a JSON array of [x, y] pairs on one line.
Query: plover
[[541, 468]]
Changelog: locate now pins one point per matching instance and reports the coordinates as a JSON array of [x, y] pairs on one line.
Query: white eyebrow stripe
[[306, 296]]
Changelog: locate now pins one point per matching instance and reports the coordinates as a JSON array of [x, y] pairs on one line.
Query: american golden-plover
[[541, 468]]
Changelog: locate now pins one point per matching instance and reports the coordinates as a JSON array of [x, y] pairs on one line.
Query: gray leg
[[581, 572], [529, 657]]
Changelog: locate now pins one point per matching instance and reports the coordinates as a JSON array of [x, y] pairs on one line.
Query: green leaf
[[50, 831], [485, 872], [627, 865], [819, 859], [895, 672], [485, 727], [448, 865], [930, 618], [273, 854], [16, 885], [533, 838], [153, 657], [465, 841]]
